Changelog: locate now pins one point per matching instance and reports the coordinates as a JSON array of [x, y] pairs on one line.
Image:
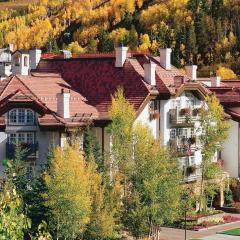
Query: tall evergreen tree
[[191, 46], [217, 9], [105, 43]]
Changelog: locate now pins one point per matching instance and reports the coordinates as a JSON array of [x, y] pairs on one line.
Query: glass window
[[30, 137], [182, 132], [21, 138], [173, 133], [30, 116], [12, 138], [21, 116], [13, 116]]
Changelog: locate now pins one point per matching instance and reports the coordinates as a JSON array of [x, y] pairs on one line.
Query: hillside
[[16, 5], [206, 32]]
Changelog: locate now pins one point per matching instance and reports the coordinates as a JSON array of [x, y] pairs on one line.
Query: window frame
[[27, 114], [25, 136]]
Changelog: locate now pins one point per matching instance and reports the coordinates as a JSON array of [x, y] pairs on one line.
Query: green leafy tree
[[103, 217], [68, 193], [13, 220], [149, 174], [215, 131], [154, 195], [123, 117], [42, 233]]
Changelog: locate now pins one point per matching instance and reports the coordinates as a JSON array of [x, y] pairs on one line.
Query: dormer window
[[21, 116]]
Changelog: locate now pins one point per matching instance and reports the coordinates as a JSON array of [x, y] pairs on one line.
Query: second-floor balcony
[[184, 146], [29, 150], [184, 116]]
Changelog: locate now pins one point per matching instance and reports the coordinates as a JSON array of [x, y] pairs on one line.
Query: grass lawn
[[234, 232]]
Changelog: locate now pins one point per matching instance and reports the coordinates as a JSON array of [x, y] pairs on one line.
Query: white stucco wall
[[165, 127], [165, 106], [230, 152]]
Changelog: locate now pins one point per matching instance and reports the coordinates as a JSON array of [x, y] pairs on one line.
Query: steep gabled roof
[[40, 90]]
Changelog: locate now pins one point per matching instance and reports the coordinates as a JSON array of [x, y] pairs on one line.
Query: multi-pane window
[[21, 137], [13, 116], [173, 133], [12, 138], [182, 132], [21, 116], [29, 116]]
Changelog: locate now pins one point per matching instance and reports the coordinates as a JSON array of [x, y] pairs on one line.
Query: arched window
[[21, 116], [25, 60], [13, 116]]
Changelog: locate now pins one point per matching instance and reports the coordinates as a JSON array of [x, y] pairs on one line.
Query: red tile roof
[[42, 89], [97, 79]]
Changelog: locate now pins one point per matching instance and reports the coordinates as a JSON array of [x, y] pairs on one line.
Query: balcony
[[191, 171], [184, 116], [30, 151], [184, 146]]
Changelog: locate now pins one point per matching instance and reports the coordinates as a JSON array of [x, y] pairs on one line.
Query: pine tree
[[133, 38], [191, 47], [105, 43], [92, 147], [217, 9]]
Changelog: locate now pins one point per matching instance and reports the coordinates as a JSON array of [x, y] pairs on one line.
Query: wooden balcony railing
[[184, 116]]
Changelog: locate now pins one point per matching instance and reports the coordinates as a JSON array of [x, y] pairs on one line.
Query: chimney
[[192, 72], [150, 73], [63, 104], [215, 81], [11, 47], [121, 56], [35, 57], [165, 58]]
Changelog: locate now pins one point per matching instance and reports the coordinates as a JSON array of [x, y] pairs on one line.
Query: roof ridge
[[7, 84]]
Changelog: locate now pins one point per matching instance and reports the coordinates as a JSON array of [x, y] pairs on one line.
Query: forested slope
[[206, 32]]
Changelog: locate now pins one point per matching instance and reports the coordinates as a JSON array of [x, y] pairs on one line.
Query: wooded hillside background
[[204, 32]]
